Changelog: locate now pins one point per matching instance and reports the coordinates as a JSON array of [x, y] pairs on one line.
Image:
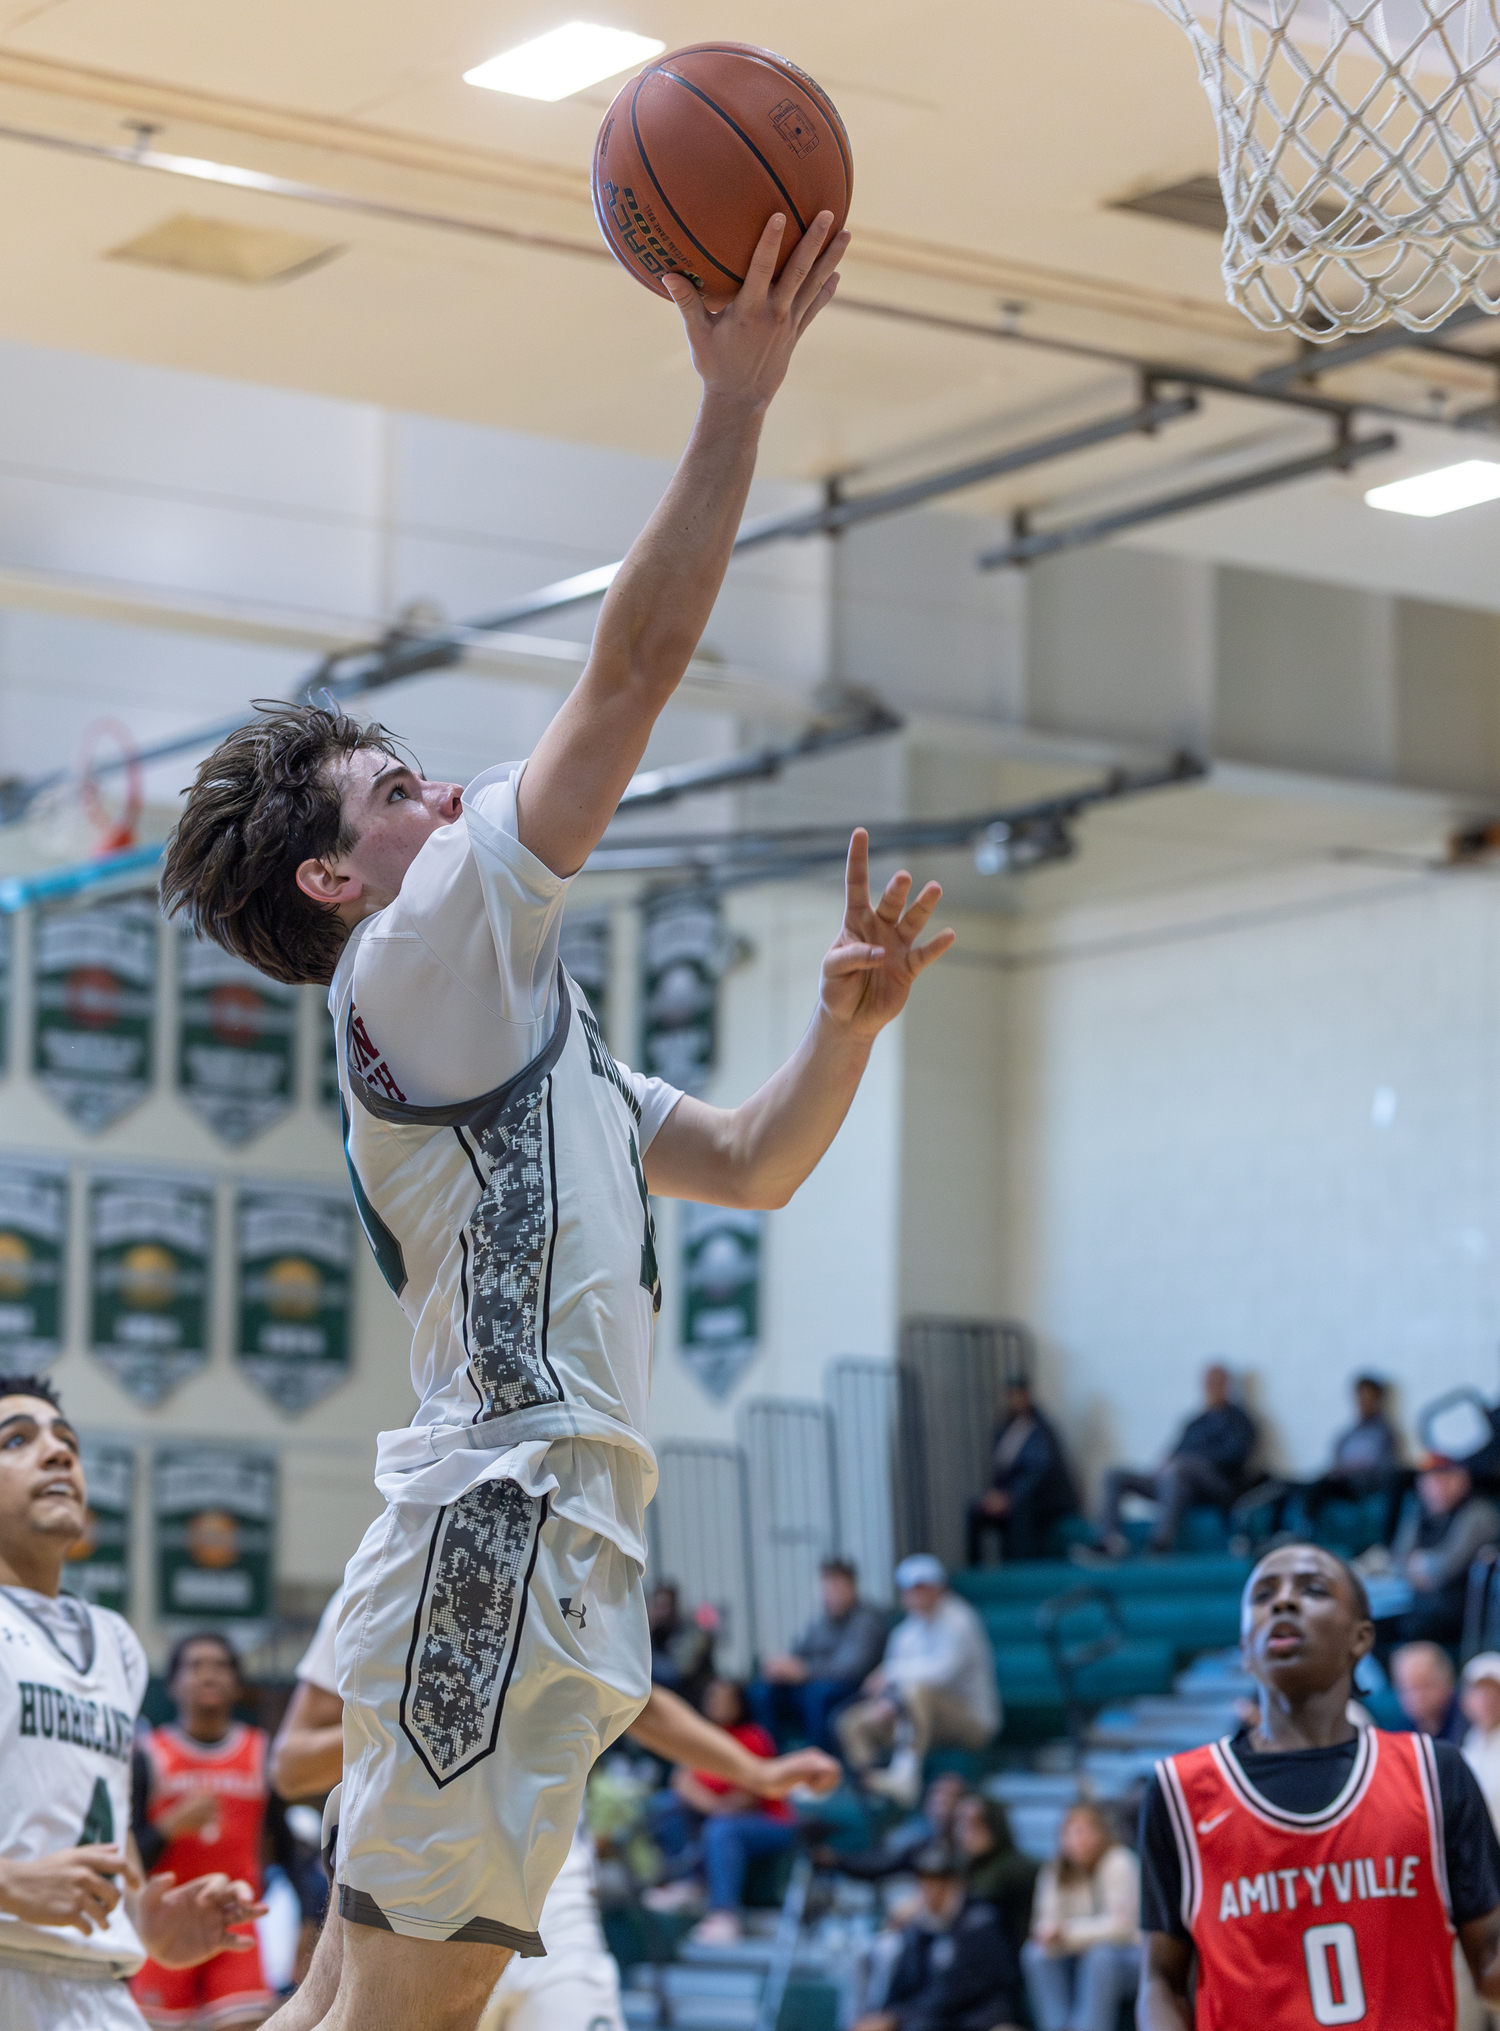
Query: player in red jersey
[[1318, 1870], [206, 1810]]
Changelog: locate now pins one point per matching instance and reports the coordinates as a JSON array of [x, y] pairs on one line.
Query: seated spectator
[[1083, 1957], [1030, 1486], [1434, 1547], [1207, 1464], [734, 1827], [934, 1686], [956, 1968], [1422, 1679], [995, 1869], [1480, 1700], [826, 1665], [1365, 1461], [1366, 1457], [682, 1652], [893, 1857]]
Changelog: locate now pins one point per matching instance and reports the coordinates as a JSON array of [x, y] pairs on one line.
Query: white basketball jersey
[[65, 1742], [516, 1231]]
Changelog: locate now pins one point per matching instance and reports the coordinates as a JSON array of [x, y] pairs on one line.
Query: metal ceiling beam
[[1028, 544], [726, 859], [401, 656], [1391, 338]]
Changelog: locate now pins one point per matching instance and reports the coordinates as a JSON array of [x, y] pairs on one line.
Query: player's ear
[[1362, 1641], [325, 885]]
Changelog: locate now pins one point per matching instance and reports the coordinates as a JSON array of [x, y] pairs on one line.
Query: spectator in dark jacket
[[826, 1665], [1030, 1486], [956, 1969], [1366, 1461], [1433, 1550], [1365, 1457], [682, 1651], [1207, 1464], [996, 1870]]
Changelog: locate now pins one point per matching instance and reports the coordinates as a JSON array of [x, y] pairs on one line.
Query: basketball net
[[1359, 157]]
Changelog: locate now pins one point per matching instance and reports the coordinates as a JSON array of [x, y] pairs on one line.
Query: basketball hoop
[[1359, 157], [113, 831]]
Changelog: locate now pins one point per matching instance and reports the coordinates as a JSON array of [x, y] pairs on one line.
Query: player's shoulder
[[114, 1630]]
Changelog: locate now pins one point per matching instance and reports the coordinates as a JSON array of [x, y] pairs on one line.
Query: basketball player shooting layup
[[76, 1912], [494, 1639], [1318, 1870]]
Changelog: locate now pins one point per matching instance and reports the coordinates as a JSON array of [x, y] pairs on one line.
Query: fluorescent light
[[564, 61], [1463, 485]]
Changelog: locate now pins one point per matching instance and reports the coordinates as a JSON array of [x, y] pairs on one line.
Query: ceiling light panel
[[1439, 493], [233, 253], [564, 61]]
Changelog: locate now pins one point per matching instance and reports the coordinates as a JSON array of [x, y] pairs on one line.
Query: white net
[[1359, 156]]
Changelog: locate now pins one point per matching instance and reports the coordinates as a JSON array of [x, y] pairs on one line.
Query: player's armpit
[[1480, 1939], [1166, 1964]]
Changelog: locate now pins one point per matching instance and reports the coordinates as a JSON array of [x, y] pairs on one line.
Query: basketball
[[700, 149]]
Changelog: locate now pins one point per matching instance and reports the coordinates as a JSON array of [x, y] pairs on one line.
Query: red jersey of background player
[[233, 1773], [1306, 1919]]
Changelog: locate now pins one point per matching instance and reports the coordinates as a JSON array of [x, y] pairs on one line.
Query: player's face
[[205, 1682], [1300, 1630], [394, 812], [42, 1490]]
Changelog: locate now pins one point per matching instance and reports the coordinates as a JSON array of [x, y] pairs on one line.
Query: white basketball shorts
[[488, 1652], [33, 2002]]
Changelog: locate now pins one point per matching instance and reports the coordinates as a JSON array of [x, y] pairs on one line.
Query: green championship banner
[[237, 1048], [98, 1567], [293, 1246], [682, 958], [150, 1242], [585, 951], [721, 1261], [94, 991], [33, 1262], [215, 1512]]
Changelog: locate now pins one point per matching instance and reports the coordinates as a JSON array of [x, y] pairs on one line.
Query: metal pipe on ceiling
[[400, 656], [1020, 837], [1027, 544], [727, 859]]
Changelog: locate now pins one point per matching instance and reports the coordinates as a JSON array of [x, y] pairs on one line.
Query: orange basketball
[[697, 152]]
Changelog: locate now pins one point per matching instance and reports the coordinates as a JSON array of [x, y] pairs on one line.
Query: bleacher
[[1066, 1636]]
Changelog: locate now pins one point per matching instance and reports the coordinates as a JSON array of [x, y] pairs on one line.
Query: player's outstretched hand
[[805, 1767], [182, 1924], [871, 965], [75, 1886], [742, 353]]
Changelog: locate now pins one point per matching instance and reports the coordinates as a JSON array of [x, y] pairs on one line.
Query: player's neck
[[1314, 1720], [36, 1565], [205, 1728]]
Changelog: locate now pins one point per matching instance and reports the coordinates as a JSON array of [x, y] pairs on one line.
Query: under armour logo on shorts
[[570, 1613]]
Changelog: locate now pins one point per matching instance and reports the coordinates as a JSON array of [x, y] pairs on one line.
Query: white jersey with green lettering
[[71, 1682]]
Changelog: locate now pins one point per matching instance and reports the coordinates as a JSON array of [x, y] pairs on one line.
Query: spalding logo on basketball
[[696, 154]]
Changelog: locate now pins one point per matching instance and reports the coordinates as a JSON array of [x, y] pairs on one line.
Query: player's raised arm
[[757, 1154], [656, 610]]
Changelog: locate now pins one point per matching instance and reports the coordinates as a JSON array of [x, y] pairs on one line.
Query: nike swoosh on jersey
[[1206, 1826]]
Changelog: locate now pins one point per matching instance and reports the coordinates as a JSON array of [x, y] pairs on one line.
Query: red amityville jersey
[[1303, 1919], [234, 1770]]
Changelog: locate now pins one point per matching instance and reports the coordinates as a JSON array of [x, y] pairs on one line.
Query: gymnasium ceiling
[[993, 139]]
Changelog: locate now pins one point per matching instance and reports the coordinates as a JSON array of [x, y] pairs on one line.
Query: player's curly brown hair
[[262, 803]]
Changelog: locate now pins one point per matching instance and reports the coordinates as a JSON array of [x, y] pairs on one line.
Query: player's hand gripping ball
[[696, 154]]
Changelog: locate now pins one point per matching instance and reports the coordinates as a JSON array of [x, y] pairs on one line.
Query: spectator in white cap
[[1480, 1700], [934, 1687]]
